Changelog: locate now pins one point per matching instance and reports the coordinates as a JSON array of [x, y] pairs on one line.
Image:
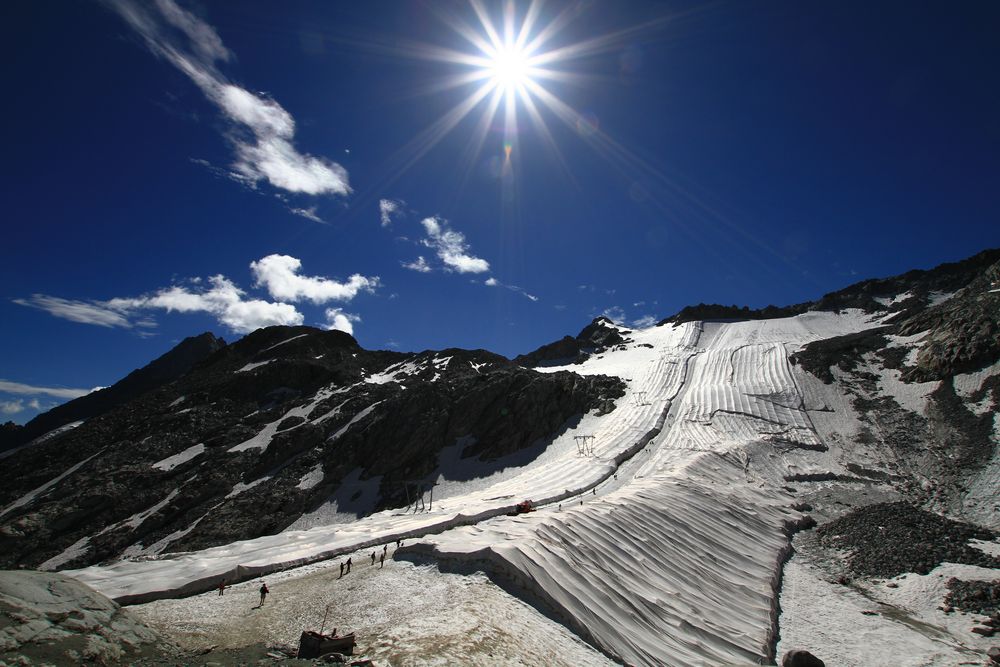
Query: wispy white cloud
[[11, 407], [219, 297], [451, 247], [19, 405], [307, 213], [203, 37], [223, 299], [644, 322], [341, 321], [617, 315], [85, 312], [261, 131], [419, 264], [279, 274], [493, 282], [9, 387], [389, 208]]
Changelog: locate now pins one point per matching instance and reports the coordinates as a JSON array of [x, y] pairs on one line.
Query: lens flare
[[513, 65]]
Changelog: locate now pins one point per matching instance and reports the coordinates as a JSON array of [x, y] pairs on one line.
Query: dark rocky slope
[[323, 411], [596, 337], [167, 368], [919, 285]]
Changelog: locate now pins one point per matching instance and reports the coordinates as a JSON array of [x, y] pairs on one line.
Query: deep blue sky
[[735, 152]]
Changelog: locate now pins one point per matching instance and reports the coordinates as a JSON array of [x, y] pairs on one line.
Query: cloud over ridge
[[221, 298], [10, 387]]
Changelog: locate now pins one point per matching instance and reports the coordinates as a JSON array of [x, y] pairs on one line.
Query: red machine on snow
[[523, 507]]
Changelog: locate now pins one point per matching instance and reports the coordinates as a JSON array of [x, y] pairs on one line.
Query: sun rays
[[510, 64]]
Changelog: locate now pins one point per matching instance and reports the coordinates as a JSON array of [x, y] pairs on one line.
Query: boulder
[[800, 658], [51, 618]]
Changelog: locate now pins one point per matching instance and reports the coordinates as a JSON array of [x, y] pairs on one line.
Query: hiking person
[[381, 561], [263, 593], [373, 558], [348, 566], [222, 587], [341, 570]]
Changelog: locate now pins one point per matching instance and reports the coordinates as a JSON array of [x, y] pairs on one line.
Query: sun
[[509, 68], [513, 66]]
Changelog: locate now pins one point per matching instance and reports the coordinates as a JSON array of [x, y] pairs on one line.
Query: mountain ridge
[[167, 367]]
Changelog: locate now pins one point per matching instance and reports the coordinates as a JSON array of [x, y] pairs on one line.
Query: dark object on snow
[[523, 508], [313, 644], [994, 655], [800, 658]]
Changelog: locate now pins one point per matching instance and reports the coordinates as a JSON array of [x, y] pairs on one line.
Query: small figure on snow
[[222, 587], [341, 570], [373, 558], [381, 561], [348, 566], [263, 593]]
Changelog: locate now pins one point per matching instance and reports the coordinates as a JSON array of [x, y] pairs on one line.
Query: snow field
[[407, 613], [560, 473], [676, 569], [679, 559], [855, 627], [683, 566]]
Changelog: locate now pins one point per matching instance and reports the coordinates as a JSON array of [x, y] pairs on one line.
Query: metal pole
[[323, 627]]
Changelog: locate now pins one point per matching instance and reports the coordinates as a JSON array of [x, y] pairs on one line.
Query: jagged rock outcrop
[[597, 336], [266, 430], [715, 311], [166, 368], [964, 331]]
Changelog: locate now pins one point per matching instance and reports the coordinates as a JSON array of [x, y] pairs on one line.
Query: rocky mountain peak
[[268, 431], [601, 334], [164, 369]]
